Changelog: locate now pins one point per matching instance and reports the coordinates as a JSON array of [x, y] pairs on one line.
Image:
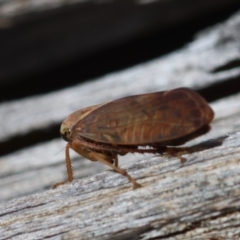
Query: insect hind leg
[[107, 160]]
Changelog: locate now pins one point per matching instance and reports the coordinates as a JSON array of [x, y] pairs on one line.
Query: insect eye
[[66, 134]]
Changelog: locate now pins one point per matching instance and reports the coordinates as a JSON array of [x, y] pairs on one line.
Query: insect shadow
[[179, 151]]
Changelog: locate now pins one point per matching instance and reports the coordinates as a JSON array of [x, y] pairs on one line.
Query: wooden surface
[[195, 200]]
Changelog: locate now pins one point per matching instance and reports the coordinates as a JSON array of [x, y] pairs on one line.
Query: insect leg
[[115, 168], [69, 168], [176, 152], [116, 161]]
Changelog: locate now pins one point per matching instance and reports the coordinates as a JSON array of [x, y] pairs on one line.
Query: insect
[[127, 125]]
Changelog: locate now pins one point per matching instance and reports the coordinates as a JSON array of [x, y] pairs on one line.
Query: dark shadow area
[[179, 151], [221, 89], [211, 143], [230, 65], [140, 49], [21, 141]]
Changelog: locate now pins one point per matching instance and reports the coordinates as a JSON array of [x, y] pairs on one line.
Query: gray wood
[[196, 200]]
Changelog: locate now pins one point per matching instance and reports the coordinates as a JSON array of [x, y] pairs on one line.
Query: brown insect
[[160, 119]]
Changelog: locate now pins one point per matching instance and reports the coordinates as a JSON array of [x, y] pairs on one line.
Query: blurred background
[[60, 56]]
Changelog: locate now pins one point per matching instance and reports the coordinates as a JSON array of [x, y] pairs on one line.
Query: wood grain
[[197, 200]]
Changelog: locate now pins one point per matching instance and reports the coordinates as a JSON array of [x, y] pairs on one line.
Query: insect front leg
[[68, 166]]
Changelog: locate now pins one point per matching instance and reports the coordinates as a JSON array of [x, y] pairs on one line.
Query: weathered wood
[[195, 200]]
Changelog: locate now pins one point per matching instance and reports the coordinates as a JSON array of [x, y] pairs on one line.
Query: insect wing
[[148, 118]]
